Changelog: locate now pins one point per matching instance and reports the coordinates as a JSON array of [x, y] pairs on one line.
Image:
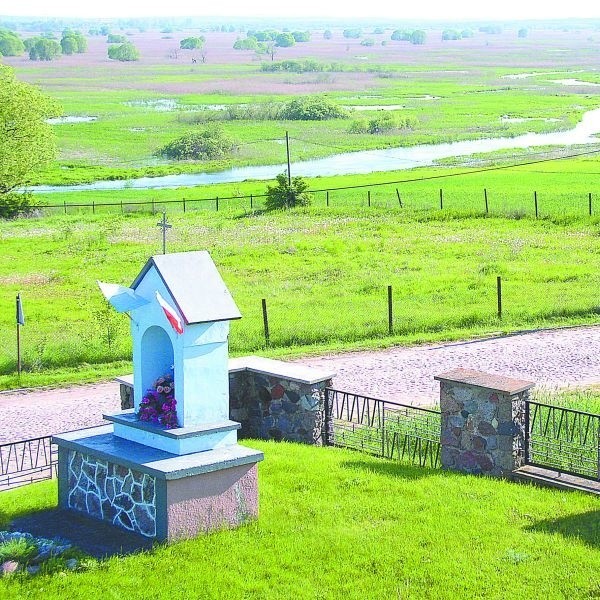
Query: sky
[[392, 9]]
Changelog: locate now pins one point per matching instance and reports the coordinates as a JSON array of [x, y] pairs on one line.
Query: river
[[365, 161]]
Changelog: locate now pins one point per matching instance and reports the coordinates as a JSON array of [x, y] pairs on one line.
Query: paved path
[[554, 358]]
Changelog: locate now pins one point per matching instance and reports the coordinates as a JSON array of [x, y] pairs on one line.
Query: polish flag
[[170, 313]]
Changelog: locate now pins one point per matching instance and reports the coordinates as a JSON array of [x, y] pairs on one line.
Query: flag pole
[[19, 350], [20, 321]]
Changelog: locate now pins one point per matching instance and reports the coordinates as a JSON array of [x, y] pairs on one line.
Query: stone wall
[[113, 493], [483, 422], [274, 408]]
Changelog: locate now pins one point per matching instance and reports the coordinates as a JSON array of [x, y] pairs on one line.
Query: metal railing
[[387, 429], [562, 439], [27, 461]]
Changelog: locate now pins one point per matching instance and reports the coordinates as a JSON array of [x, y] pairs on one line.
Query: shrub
[[192, 43], [284, 40], [16, 205], [367, 42], [114, 38], [124, 52], [352, 34], [312, 108], [208, 144], [286, 194], [327, 34], [249, 43], [381, 124]]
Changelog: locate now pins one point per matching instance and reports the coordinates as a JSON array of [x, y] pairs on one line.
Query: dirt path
[[554, 358]]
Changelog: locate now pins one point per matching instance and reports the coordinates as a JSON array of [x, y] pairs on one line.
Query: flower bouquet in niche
[[159, 405]]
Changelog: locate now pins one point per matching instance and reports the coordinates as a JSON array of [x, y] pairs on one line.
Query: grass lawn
[[339, 524], [323, 271]]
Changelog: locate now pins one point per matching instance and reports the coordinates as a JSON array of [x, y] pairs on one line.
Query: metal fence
[[383, 428], [562, 439], [27, 461]]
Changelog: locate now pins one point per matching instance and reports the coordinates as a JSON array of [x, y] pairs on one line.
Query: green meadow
[[323, 271], [338, 524]]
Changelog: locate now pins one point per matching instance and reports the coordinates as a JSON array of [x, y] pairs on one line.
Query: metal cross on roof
[[164, 225]]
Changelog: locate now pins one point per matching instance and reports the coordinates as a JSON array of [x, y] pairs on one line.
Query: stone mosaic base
[[113, 493]]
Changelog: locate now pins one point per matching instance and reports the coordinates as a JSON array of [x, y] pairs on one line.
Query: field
[[338, 524], [452, 90], [324, 271]]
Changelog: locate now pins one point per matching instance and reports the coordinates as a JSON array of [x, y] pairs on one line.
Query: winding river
[[365, 161]]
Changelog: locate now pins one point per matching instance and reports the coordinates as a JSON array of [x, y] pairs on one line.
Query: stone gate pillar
[[483, 422]]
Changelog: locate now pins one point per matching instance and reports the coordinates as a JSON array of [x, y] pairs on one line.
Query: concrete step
[[556, 479]]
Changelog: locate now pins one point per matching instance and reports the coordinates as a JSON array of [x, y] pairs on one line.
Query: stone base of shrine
[[152, 492]]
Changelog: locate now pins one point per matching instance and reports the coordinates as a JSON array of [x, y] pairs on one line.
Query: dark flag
[[20, 315]]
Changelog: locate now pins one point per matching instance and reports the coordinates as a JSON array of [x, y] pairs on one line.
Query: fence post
[[499, 293], [487, 209], [399, 199], [183, 204], [251, 202], [327, 198], [536, 204], [265, 320], [369, 197], [65, 205], [217, 203], [441, 199], [390, 312], [93, 207], [590, 203]]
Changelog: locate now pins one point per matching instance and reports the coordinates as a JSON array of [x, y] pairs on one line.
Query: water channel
[[365, 161]]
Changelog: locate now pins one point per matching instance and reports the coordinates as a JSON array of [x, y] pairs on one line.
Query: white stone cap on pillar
[[497, 383], [281, 369]]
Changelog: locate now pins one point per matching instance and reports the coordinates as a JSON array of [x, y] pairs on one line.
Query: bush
[[286, 194], [381, 124], [367, 42], [114, 38], [284, 40], [192, 43], [249, 43], [312, 108], [208, 144], [124, 52], [352, 34], [16, 205]]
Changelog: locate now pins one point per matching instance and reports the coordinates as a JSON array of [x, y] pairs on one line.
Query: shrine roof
[[195, 285]]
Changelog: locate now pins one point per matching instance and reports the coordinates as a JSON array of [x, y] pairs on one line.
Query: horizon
[[461, 10]]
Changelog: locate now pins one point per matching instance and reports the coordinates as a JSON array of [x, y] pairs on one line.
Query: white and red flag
[[170, 313]]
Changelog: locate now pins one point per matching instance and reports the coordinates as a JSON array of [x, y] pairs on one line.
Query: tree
[[126, 52], [249, 43], [301, 36], [41, 48], [284, 40], [73, 42], [352, 34], [327, 34], [26, 140], [10, 43], [287, 194], [192, 43], [522, 32], [418, 37]]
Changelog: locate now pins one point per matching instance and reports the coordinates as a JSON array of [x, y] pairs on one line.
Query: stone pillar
[[483, 422]]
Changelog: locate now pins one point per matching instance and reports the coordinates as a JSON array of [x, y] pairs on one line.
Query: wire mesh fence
[[538, 203], [313, 317]]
